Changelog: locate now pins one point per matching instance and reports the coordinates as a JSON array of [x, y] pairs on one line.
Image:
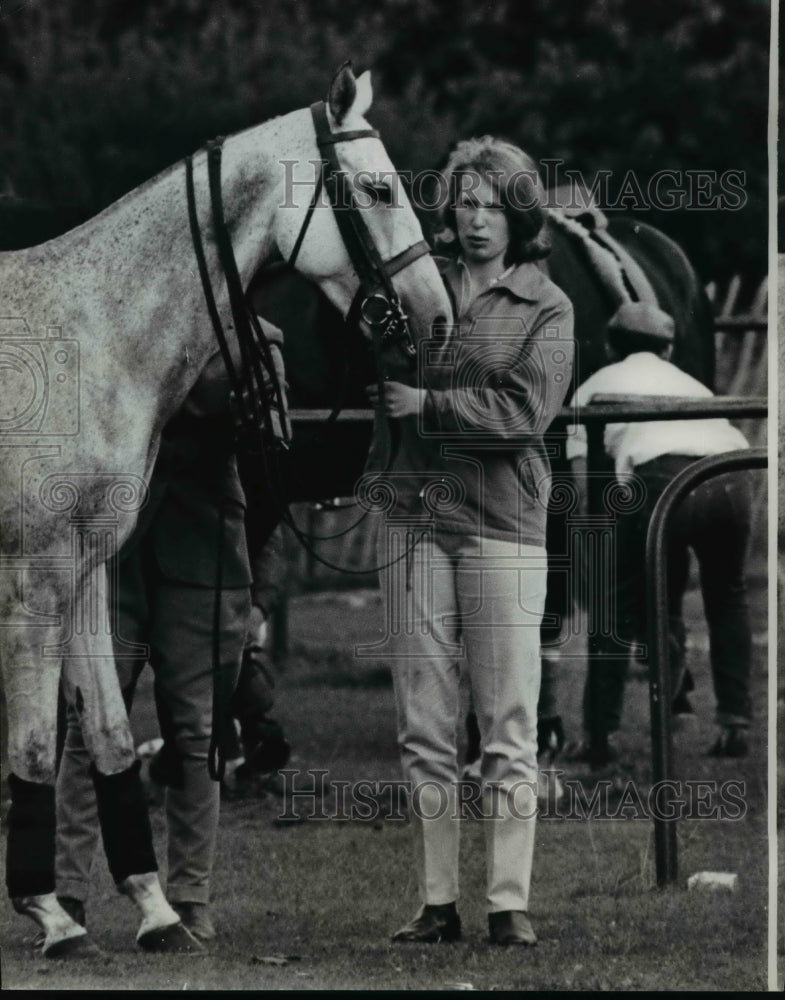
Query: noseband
[[376, 301]]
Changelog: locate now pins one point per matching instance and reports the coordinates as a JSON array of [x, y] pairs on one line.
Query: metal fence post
[[665, 847], [598, 540]]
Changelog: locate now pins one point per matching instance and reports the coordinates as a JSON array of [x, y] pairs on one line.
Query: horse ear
[[364, 93], [343, 91]]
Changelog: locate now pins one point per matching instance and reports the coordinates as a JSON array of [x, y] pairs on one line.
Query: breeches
[[476, 602]]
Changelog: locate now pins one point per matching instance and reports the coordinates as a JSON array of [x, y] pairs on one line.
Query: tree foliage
[[95, 97]]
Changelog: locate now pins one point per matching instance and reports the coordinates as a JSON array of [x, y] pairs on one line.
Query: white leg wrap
[[145, 890], [56, 924]]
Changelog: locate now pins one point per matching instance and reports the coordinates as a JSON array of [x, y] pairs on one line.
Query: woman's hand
[[399, 400]]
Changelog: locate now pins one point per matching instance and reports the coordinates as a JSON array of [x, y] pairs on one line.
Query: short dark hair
[[516, 181]]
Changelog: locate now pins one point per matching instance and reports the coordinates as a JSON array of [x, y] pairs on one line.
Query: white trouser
[[478, 600]]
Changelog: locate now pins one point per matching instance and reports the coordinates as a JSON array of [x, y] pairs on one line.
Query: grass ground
[[311, 905]]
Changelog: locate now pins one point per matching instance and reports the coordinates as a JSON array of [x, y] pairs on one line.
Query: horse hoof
[[175, 937], [61, 936], [73, 947]]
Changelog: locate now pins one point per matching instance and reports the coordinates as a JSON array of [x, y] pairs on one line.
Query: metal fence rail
[[740, 324], [625, 408]]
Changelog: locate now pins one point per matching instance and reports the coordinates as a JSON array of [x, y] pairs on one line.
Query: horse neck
[[139, 252]]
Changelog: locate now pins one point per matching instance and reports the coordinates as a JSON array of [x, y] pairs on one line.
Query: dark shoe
[[732, 742], [432, 924], [511, 927], [196, 918]]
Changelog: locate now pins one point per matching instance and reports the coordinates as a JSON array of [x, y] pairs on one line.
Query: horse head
[[346, 223]]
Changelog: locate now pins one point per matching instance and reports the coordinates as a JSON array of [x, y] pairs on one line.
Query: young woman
[[466, 579]]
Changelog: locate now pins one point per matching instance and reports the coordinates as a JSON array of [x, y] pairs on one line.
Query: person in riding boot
[[640, 338], [183, 573], [260, 748]]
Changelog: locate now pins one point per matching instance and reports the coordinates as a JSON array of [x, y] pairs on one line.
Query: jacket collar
[[525, 281]]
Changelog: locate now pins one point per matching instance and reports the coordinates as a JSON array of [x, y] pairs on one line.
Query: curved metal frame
[[665, 847]]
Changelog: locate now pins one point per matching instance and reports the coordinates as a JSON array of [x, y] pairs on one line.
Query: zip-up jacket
[[476, 460]]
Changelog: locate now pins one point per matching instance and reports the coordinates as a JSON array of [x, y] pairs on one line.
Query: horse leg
[[30, 875], [114, 803], [30, 869], [93, 690], [31, 683], [128, 844]]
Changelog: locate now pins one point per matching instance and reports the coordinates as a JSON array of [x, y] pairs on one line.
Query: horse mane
[[616, 270]]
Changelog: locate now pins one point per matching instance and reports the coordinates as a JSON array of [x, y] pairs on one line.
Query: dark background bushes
[[97, 96]]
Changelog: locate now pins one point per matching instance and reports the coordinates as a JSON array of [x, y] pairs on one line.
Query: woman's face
[[483, 230]]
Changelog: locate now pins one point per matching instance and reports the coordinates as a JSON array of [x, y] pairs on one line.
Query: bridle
[[376, 301]]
